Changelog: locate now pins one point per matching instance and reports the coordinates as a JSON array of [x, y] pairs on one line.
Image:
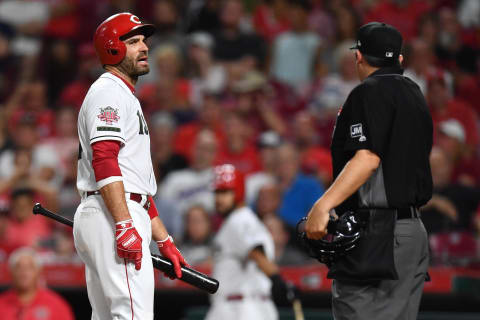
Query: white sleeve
[[105, 117], [247, 237]]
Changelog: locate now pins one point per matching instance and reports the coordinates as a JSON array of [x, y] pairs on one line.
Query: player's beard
[[130, 67]]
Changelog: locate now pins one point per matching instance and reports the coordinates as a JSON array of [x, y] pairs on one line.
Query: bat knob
[[37, 208]]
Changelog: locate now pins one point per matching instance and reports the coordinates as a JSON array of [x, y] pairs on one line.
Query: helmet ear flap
[[116, 51]]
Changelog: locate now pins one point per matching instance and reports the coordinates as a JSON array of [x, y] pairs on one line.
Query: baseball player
[[243, 258], [116, 219]]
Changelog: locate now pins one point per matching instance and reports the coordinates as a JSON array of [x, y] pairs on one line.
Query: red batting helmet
[[110, 33], [227, 177]]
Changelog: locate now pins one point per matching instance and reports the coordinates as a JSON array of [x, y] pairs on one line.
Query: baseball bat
[[298, 310], [190, 276]]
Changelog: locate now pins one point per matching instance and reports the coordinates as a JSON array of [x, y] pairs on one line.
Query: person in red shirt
[[27, 299], [23, 228], [444, 107], [238, 148]]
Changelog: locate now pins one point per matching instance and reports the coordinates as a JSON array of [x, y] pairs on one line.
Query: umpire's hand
[[317, 221]]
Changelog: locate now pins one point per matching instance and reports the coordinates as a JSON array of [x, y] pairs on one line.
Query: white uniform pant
[[248, 308], [116, 290]]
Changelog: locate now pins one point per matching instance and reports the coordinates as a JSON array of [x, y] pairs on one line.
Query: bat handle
[[298, 310]]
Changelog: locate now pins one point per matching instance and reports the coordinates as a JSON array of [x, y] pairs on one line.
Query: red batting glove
[[129, 242], [169, 250]]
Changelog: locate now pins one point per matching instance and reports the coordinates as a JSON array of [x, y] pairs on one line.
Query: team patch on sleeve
[[109, 115], [356, 131]]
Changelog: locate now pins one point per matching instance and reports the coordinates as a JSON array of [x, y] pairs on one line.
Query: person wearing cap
[[117, 218], [380, 152]]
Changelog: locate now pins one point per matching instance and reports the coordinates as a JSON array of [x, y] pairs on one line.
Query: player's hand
[[169, 250], [129, 242], [317, 221], [283, 293]]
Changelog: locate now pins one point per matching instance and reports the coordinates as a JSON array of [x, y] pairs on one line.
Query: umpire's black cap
[[379, 40]]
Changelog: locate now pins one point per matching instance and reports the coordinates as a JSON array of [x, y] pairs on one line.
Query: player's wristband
[[161, 243]]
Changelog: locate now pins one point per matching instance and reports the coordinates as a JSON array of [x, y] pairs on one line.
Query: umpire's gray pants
[[388, 299]]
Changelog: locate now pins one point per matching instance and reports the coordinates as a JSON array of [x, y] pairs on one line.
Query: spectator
[[285, 254], [165, 159], [23, 228], [452, 205], [29, 19], [254, 104], [295, 53], [314, 159], [238, 149], [10, 64], [299, 192], [203, 16], [209, 118], [270, 18], [89, 69], [5, 140], [30, 100], [192, 186], [268, 201], [41, 161], [207, 75], [404, 15], [170, 91], [443, 107], [330, 92], [420, 63], [196, 245], [267, 145], [232, 44], [27, 299]]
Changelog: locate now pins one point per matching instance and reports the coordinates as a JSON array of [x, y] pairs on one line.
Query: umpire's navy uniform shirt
[[388, 115]]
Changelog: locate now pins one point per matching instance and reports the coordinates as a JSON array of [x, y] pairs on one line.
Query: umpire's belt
[[402, 213], [140, 198]]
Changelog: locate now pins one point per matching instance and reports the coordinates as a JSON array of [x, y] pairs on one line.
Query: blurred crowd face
[[22, 207], [35, 97], [441, 168], [197, 225], [231, 13], [304, 130], [437, 95], [298, 18], [165, 15], [66, 123], [452, 147], [268, 156], [277, 229], [288, 163], [421, 57], [210, 112], [268, 202], [168, 62], [347, 67], [448, 36], [236, 132], [346, 23], [224, 201], [135, 63], [205, 150], [25, 136], [25, 274]]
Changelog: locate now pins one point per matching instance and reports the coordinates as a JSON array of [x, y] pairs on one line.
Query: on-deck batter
[[117, 218], [243, 259]]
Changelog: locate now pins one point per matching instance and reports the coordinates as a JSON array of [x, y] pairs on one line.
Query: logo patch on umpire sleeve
[[356, 130]]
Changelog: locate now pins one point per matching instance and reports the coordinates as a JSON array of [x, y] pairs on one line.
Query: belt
[[407, 213], [239, 297], [133, 196]]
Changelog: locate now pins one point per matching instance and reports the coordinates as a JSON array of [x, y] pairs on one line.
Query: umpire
[[380, 150]]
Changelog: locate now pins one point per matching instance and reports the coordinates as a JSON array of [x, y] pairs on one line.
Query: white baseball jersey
[[239, 234], [110, 111]]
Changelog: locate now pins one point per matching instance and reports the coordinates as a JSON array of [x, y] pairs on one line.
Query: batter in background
[[117, 219], [243, 258]]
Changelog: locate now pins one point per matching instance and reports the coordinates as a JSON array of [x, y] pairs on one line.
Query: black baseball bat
[[190, 276]]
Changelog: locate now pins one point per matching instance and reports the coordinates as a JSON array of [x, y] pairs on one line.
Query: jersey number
[[142, 123]]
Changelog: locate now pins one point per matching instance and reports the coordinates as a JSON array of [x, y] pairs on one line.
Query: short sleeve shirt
[[240, 233], [110, 111], [388, 115]]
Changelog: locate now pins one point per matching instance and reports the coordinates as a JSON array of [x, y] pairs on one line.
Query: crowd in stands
[[257, 84]]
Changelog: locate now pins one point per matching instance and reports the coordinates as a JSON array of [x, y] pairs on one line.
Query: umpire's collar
[[387, 70]]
